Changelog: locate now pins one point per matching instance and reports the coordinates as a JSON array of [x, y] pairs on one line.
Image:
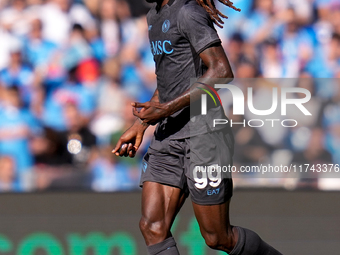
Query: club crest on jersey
[[166, 26], [144, 166]]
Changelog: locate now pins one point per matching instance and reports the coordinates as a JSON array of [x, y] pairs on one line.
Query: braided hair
[[214, 13]]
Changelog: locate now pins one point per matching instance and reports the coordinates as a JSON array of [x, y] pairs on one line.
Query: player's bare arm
[[218, 68]]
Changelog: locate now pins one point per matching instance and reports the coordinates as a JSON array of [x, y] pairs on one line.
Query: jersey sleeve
[[195, 25]]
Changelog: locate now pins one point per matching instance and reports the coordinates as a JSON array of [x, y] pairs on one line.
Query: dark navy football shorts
[[198, 165]]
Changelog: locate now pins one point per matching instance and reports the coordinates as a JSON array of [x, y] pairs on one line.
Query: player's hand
[[130, 141], [151, 112]]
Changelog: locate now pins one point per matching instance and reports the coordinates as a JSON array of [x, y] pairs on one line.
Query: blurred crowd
[[69, 70]]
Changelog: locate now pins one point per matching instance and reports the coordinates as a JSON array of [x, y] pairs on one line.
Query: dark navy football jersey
[[178, 33]]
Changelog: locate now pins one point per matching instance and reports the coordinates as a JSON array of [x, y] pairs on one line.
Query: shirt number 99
[[208, 174]]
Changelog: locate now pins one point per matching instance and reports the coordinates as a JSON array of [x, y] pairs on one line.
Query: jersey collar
[[170, 2]]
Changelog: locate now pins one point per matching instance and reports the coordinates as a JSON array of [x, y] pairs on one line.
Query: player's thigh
[[213, 219], [164, 182], [160, 205], [215, 226], [161, 202]]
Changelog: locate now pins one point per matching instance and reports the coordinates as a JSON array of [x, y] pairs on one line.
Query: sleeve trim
[[208, 45]]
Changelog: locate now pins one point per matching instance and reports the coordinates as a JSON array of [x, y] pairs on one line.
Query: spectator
[[5, 47], [302, 8], [38, 51], [109, 175], [296, 46], [109, 116], [251, 148], [234, 49], [326, 61], [110, 27], [49, 149], [18, 74], [8, 175], [14, 19], [271, 61], [77, 131], [96, 42], [315, 153], [77, 49], [262, 22], [58, 17], [70, 92], [17, 125]]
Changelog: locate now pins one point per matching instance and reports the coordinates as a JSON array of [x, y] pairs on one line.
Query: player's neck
[[164, 2], [160, 4]]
